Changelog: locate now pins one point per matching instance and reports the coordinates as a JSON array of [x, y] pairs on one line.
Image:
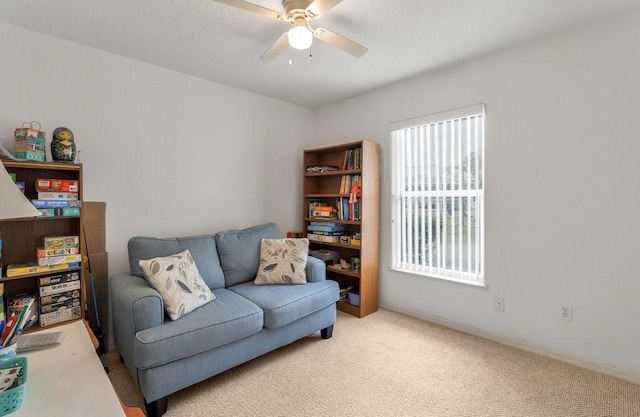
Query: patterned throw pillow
[[178, 281], [282, 261]]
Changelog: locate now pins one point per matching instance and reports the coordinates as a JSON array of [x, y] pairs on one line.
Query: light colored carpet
[[388, 364]]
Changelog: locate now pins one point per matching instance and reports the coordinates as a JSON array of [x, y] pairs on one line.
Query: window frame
[[406, 240]]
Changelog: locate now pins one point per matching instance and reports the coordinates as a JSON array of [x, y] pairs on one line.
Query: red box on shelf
[[55, 185]]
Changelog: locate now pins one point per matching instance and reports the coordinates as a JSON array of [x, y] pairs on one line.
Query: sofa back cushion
[[239, 251], [202, 248]]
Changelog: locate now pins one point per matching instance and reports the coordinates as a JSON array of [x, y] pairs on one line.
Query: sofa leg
[[156, 408], [327, 332]]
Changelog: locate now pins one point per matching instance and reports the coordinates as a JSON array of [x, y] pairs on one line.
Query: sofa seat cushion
[[283, 304], [228, 318]]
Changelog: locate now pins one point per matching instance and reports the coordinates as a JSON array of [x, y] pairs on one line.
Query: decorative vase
[[63, 147]]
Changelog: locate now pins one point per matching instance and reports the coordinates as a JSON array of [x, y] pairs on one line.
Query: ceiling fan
[[300, 14]]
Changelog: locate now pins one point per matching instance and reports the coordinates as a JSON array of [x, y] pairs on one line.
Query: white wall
[[562, 195], [172, 155]]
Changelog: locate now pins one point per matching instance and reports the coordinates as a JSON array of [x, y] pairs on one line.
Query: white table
[[68, 380]]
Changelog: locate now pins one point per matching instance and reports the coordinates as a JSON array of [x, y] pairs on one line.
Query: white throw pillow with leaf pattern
[[178, 281], [282, 261]]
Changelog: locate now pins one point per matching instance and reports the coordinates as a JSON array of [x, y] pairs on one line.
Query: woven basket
[[11, 399]]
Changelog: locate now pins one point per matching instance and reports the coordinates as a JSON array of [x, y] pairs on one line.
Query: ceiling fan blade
[[341, 42], [240, 4], [320, 7], [275, 49]]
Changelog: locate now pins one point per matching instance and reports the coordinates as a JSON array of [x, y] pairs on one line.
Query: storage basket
[[11, 398]]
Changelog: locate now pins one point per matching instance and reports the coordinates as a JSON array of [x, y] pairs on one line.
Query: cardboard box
[[61, 242], [61, 259], [58, 288], [59, 316], [52, 307], [42, 252], [56, 298], [56, 185], [93, 219]]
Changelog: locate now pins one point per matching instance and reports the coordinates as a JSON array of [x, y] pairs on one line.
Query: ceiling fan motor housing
[[297, 7]]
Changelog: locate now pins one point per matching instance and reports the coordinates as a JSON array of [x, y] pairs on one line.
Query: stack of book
[[58, 252], [59, 298], [324, 212], [326, 232], [347, 210], [57, 197]]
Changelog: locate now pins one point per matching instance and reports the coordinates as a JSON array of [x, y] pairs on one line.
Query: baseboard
[[572, 359]]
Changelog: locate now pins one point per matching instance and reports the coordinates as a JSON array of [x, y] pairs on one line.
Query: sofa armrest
[[135, 306], [316, 270]]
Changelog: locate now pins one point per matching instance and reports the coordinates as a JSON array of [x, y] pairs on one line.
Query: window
[[438, 195]]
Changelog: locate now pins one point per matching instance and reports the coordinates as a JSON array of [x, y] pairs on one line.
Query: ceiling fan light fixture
[[300, 37]]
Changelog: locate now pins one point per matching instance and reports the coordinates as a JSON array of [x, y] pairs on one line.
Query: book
[[321, 238], [2, 315], [324, 214], [313, 204]]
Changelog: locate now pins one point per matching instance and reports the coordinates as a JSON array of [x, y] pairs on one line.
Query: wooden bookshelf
[[325, 187], [21, 237]]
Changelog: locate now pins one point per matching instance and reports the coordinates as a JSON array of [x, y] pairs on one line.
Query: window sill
[[481, 285]]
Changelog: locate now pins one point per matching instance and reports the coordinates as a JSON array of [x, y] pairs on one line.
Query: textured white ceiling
[[223, 44]]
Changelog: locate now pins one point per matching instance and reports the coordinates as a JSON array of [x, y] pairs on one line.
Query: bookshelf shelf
[[357, 161], [334, 173], [39, 274], [315, 219], [21, 237]]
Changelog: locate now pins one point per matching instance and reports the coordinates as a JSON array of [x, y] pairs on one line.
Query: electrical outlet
[[566, 313], [498, 303]]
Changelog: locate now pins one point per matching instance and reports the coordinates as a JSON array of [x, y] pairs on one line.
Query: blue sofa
[[242, 323]]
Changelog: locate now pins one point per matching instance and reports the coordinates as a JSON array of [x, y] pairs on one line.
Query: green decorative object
[[63, 147]]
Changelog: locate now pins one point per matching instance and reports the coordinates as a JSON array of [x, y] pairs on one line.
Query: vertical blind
[[438, 198]]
